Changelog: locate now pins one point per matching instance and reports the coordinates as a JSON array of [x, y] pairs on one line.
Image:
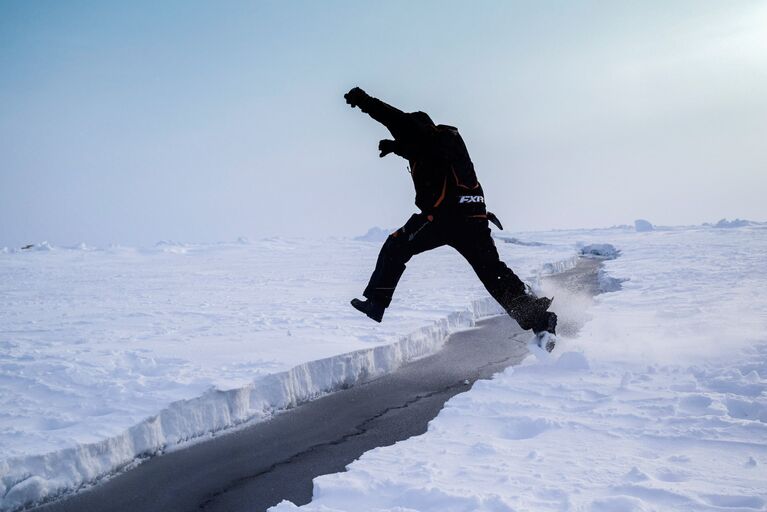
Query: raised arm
[[403, 127]]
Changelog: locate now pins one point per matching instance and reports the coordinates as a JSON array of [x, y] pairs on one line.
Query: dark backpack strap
[[492, 218]]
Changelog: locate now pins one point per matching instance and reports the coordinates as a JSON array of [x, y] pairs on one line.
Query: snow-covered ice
[[113, 353], [658, 404]]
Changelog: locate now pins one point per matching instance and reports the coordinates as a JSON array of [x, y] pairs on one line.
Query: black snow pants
[[470, 236]]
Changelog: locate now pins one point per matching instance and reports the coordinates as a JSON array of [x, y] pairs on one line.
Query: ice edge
[[31, 480]]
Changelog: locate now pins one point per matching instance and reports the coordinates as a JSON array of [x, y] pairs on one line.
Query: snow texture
[[110, 355], [658, 404]]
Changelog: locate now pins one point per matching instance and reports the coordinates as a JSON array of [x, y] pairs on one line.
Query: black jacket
[[442, 171]]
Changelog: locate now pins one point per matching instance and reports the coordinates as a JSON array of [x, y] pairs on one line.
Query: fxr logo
[[471, 199]]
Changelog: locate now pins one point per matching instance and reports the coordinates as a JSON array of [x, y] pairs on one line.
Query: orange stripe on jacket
[[457, 182], [442, 196]]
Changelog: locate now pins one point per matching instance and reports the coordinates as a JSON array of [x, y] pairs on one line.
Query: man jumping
[[453, 213]]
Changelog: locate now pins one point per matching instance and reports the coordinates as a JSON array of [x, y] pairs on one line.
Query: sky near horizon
[[134, 122]]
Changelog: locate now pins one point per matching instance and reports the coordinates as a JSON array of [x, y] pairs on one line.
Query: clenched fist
[[355, 96]]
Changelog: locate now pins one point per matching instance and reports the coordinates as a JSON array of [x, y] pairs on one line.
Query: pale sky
[[134, 122]]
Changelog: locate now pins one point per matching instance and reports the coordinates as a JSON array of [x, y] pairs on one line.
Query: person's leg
[[419, 234], [473, 240]]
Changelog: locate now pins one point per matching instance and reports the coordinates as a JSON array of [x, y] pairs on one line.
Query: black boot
[[546, 322], [530, 313], [370, 308]]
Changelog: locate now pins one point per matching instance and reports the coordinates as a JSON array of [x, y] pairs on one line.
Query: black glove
[[355, 96], [386, 146]]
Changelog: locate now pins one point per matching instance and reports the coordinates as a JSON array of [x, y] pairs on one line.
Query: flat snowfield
[[658, 404], [109, 354]]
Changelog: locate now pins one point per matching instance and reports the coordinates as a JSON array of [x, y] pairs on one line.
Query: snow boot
[[546, 322], [370, 308], [530, 313], [545, 330]]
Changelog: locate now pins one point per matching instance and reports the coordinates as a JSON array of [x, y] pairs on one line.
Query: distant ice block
[[517, 241], [607, 283], [600, 251], [374, 234], [736, 223], [642, 225]]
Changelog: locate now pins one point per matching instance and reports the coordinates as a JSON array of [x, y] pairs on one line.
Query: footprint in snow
[[526, 428], [635, 475], [735, 501], [671, 475], [618, 503], [695, 403]]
